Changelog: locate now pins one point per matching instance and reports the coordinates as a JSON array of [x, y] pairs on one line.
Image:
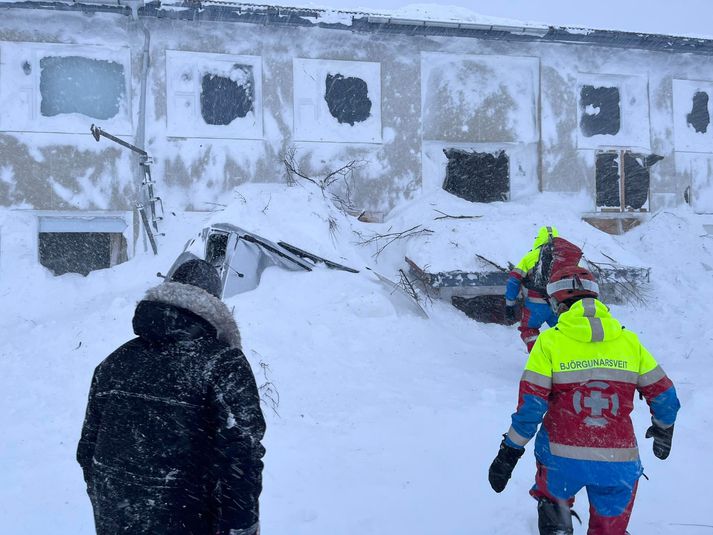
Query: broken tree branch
[[622, 282], [382, 241], [268, 391], [294, 171], [292, 167], [448, 216], [501, 268], [609, 257], [407, 286]]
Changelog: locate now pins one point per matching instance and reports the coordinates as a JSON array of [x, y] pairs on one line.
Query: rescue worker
[[582, 377], [536, 310]]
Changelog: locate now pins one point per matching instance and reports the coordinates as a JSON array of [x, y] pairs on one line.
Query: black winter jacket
[[171, 442]]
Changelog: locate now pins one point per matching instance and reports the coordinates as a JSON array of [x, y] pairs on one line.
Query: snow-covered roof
[[418, 19]]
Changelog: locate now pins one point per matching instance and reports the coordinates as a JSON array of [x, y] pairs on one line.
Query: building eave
[[357, 21]]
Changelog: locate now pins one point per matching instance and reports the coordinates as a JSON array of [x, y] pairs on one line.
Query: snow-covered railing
[[480, 294]]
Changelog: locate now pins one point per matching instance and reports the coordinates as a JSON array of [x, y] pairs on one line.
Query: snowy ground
[[386, 422]]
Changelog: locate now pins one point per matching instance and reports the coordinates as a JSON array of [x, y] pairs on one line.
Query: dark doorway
[[80, 252]]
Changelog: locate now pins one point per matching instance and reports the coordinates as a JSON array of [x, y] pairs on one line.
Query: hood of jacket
[[589, 320], [176, 311], [543, 236]]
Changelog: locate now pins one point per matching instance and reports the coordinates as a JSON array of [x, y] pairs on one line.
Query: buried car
[[241, 257]]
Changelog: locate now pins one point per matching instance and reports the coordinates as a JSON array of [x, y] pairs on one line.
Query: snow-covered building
[[219, 93]]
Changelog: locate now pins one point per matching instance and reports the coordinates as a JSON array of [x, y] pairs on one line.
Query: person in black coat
[[171, 443]]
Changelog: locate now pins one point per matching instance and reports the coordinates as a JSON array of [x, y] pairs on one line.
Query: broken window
[[607, 180], [347, 98], [75, 84], [216, 248], [623, 179], [80, 252], [601, 112], [699, 118], [636, 181], [226, 98], [477, 176]]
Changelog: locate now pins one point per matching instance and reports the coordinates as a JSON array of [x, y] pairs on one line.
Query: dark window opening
[[224, 99], [80, 252], [347, 99], [699, 118], [477, 176], [623, 179], [607, 180], [74, 84], [636, 181], [485, 308], [601, 112], [216, 248]]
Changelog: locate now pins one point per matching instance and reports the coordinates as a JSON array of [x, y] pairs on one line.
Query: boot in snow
[[554, 518]]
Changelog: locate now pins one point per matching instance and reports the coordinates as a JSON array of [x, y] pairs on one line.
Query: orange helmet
[[569, 283]]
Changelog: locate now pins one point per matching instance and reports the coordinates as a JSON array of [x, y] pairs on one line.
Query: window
[[613, 111], [479, 99], [601, 113], [477, 176], [692, 110], [623, 180], [224, 99], [216, 249], [347, 99], [214, 95], [75, 84], [699, 118], [608, 180], [337, 101], [65, 88], [70, 244]]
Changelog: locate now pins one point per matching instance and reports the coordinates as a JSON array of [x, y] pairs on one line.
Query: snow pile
[[378, 422]]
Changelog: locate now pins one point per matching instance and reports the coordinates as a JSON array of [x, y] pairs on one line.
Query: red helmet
[[571, 282]]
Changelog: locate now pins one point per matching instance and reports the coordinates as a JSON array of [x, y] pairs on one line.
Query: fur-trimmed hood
[[198, 302]]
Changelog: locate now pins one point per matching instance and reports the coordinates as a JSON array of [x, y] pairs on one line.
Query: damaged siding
[[398, 102]]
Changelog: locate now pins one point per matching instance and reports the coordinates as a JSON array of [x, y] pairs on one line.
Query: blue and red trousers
[[534, 314], [609, 505]]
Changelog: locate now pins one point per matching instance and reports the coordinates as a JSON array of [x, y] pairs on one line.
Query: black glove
[[662, 440], [510, 313], [503, 465]]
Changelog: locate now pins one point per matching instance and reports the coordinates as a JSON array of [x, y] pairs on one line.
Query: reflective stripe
[[590, 307], [517, 438], [570, 284], [537, 378], [537, 300], [519, 272], [584, 453], [590, 312], [530, 338], [651, 377], [592, 374], [510, 303]]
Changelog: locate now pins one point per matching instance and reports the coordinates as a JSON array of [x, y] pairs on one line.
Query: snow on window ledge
[[213, 95], [40, 90]]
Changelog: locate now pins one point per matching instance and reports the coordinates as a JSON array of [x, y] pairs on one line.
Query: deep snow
[[386, 422]]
